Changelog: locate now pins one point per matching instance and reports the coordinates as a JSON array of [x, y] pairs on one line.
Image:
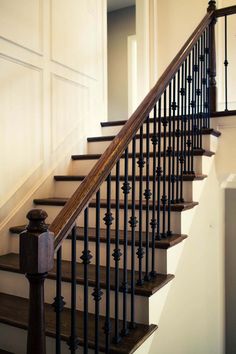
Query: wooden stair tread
[[165, 243], [57, 201], [70, 178], [197, 152], [10, 262], [206, 131], [223, 114], [14, 312]]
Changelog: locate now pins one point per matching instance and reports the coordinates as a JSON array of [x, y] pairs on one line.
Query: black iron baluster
[[133, 223], [140, 251], [177, 135], [59, 303], [164, 196], [197, 95], [182, 132], [86, 257], [205, 81], [97, 293], [191, 103], [174, 153], [126, 189], [208, 98], [108, 219], [153, 222], [169, 154], [73, 341], [159, 173], [201, 58], [147, 195], [117, 254], [226, 63], [187, 81]]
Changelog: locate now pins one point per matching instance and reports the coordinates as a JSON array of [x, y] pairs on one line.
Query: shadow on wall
[[193, 317]]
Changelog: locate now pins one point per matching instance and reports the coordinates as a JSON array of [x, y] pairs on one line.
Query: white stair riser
[[14, 283], [83, 167], [19, 344], [98, 147], [160, 254], [164, 258], [114, 130], [53, 211], [66, 189]]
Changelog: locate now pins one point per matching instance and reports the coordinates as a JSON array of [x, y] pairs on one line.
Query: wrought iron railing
[[160, 141], [227, 55]]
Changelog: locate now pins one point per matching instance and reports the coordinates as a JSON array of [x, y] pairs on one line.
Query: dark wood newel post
[[36, 260], [213, 87]]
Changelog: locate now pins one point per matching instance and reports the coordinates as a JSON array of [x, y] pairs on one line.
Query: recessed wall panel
[[20, 123], [73, 35], [21, 22], [69, 108]]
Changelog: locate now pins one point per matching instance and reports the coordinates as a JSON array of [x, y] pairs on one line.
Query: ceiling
[[118, 4]]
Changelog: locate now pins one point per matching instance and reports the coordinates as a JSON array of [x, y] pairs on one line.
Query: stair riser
[[98, 147], [83, 167], [66, 189], [160, 254], [14, 283], [114, 130], [53, 211], [18, 345]]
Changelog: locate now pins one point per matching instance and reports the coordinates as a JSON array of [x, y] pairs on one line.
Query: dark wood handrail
[[65, 220], [231, 10]]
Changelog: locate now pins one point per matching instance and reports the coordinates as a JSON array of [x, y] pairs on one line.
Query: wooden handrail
[[65, 220], [231, 10]]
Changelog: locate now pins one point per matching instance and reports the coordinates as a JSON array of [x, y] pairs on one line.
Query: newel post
[[212, 59], [36, 260]]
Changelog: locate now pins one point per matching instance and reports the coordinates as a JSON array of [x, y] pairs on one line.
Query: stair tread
[[10, 262], [186, 178], [14, 312], [57, 201], [197, 152], [165, 243], [206, 131]]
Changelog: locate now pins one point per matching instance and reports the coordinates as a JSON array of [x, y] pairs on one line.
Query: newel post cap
[[36, 245], [211, 5]]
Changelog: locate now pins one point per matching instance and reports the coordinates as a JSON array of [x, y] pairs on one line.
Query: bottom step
[[14, 312]]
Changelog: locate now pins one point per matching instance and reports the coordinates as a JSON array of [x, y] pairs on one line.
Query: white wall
[[52, 88], [230, 266], [176, 21], [121, 24]]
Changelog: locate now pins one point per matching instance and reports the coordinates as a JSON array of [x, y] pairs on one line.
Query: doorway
[[122, 59]]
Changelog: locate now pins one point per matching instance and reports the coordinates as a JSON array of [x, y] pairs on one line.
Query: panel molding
[[71, 69], [21, 62]]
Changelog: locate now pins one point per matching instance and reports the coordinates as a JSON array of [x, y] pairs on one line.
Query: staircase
[[148, 294], [109, 237]]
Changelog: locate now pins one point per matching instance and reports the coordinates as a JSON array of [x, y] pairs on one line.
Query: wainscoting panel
[[21, 23], [21, 123]]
